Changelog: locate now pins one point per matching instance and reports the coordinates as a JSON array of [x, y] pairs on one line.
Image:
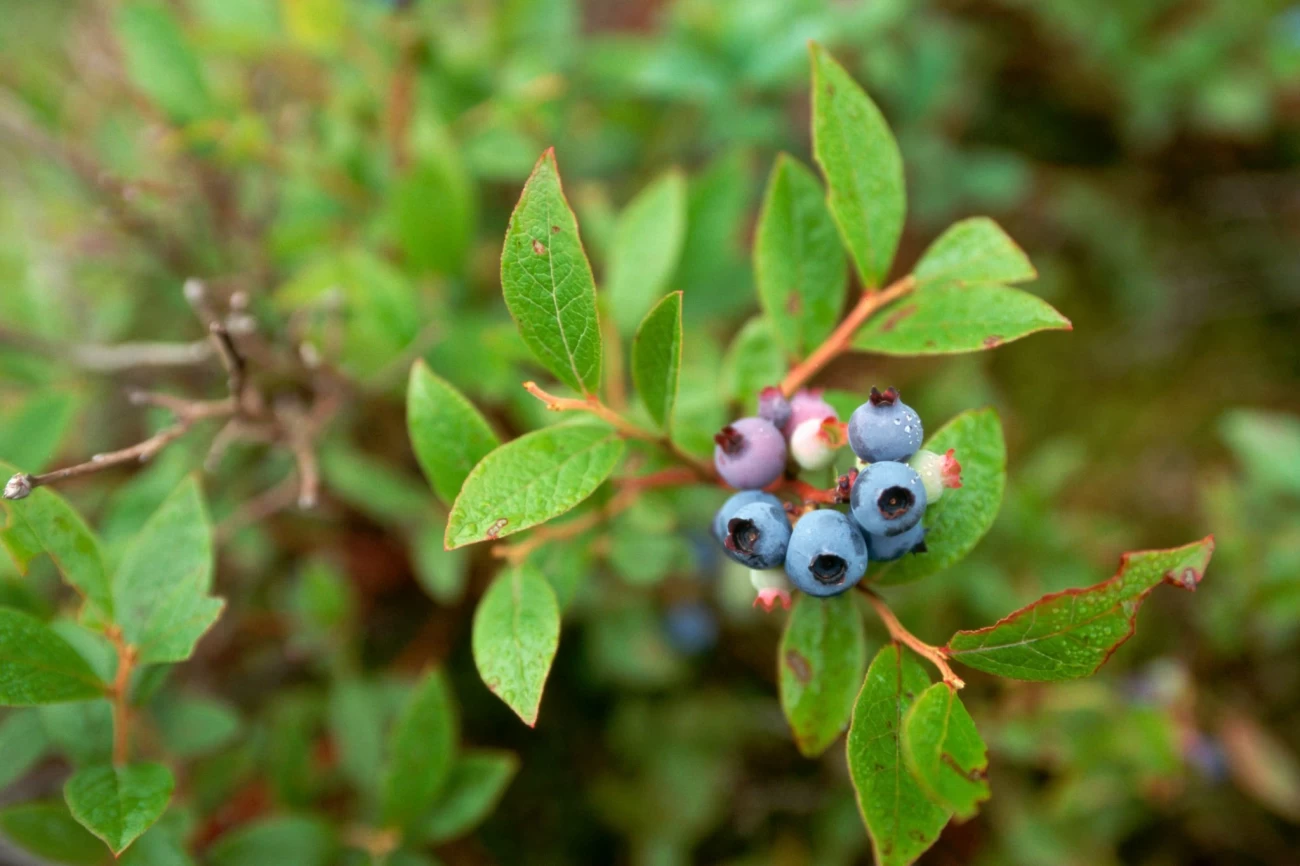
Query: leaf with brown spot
[[823, 652], [1070, 634], [515, 635]]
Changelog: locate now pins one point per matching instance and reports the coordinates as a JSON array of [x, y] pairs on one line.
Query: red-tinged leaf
[[1070, 634]]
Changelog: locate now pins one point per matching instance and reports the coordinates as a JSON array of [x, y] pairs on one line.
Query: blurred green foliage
[[350, 165]]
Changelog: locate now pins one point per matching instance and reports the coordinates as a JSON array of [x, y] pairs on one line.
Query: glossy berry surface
[[773, 406], [753, 529], [826, 554], [885, 548], [939, 472], [805, 405], [750, 453], [884, 428], [888, 498]]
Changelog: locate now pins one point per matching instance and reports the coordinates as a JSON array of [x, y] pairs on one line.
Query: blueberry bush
[[377, 496]]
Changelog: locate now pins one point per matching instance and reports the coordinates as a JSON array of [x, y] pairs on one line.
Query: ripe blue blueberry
[[888, 498], [884, 428], [826, 554], [753, 529], [884, 548], [750, 453], [773, 406]]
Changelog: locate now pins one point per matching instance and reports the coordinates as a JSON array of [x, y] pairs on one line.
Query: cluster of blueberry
[[823, 550]]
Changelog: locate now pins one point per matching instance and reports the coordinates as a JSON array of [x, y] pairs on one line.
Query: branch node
[[19, 487]]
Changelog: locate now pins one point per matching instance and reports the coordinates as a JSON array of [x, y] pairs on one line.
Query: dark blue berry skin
[[773, 406], [753, 529], [826, 555], [888, 498], [884, 428], [886, 548]]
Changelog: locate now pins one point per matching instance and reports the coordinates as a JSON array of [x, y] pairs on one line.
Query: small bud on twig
[[19, 487]]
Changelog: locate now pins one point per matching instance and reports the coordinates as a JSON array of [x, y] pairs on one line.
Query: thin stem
[[627, 495], [593, 405], [933, 654], [118, 696], [188, 414], [840, 338]]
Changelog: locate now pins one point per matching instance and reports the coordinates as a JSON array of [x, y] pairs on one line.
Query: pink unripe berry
[[750, 453], [807, 404], [814, 442]]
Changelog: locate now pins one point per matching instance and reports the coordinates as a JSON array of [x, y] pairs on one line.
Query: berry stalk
[[933, 654], [838, 341]]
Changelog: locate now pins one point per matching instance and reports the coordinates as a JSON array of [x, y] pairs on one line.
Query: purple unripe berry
[[753, 529], [750, 453], [884, 548], [773, 406], [807, 404], [884, 428], [826, 555], [888, 498]]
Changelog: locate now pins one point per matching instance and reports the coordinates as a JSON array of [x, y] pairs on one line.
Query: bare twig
[[96, 358], [933, 654]]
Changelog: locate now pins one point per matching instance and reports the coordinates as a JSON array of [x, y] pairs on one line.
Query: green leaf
[[753, 361], [420, 751], [161, 62], [39, 667], [31, 436], [547, 281], [357, 724], [163, 844], [22, 744], [900, 818], [1070, 634], [193, 725], [477, 782], [441, 572], [117, 804], [432, 209], [657, 358], [647, 245], [516, 634], [160, 591], [48, 830], [374, 487], [318, 25], [974, 250], [956, 523], [448, 434], [799, 263], [300, 840], [45, 521], [943, 318], [1267, 444], [823, 652], [863, 168], [81, 730], [944, 752], [531, 480]]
